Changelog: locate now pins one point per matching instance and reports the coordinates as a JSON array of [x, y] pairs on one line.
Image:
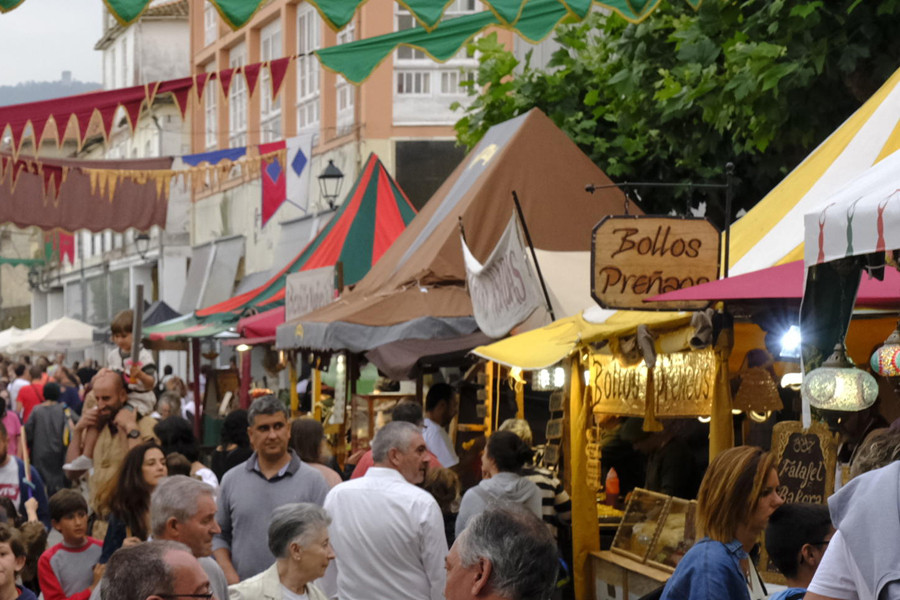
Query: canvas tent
[[373, 214], [56, 336], [418, 289]]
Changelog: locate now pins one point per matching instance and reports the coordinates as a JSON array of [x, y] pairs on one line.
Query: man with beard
[[120, 430], [387, 533], [273, 476]]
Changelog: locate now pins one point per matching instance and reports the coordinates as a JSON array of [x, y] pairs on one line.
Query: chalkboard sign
[[805, 460]]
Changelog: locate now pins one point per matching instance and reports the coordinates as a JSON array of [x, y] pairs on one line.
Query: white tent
[[8, 336], [861, 218], [56, 336]]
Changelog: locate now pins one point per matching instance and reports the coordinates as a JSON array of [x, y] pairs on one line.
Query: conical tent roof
[[371, 217], [417, 290]]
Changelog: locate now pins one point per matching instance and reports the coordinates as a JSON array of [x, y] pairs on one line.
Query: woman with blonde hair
[[737, 496]]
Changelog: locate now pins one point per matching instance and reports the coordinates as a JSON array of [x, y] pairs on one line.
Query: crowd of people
[[103, 495]]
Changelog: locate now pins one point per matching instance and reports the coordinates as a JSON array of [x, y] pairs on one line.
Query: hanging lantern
[[839, 385], [884, 360]]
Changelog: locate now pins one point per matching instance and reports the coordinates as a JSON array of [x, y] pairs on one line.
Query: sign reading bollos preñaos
[[634, 258]]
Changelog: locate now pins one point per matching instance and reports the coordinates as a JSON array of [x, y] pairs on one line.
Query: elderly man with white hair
[[505, 553], [388, 533], [298, 537]]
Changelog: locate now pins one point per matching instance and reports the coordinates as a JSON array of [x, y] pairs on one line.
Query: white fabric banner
[[299, 157], [504, 290], [305, 291]]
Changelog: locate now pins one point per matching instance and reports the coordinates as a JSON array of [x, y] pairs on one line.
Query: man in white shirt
[[440, 408], [387, 533], [22, 379]]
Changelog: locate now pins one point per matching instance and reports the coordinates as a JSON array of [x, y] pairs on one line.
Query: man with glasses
[[796, 539], [158, 570]]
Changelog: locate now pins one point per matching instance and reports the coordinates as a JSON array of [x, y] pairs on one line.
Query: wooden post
[[489, 398], [245, 379], [292, 374], [317, 394]]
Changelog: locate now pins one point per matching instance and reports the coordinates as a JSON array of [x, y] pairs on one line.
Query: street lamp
[[142, 243], [330, 183], [34, 278]]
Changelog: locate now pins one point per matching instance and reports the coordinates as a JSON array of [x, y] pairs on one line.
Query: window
[[237, 96], [111, 68], [124, 62], [308, 40], [210, 24], [414, 83], [451, 80], [270, 108], [210, 109], [344, 91]]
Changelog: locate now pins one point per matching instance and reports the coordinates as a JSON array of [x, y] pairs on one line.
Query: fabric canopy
[[158, 312], [772, 232], [56, 336], [8, 336], [371, 217], [542, 348], [56, 193], [260, 328], [783, 282], [861, 218], [417, 290]]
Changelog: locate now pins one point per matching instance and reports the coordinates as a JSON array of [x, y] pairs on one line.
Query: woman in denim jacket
[[737, 497]]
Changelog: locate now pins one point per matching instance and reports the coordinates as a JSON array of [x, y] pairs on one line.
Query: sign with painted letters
[[633, 258], [305, 291], [504, 290]]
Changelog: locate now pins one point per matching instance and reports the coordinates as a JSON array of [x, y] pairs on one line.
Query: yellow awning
[[544, 347]]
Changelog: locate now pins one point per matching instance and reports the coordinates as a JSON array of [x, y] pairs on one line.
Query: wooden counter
[[617, 577]]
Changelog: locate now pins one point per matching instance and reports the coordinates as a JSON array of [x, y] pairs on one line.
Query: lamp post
[[142, 243], [330, 183]]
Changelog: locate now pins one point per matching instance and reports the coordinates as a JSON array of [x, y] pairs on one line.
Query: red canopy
[[260, 328], [784, 282]]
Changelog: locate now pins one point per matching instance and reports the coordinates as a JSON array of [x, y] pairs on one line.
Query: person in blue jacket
[[17, 486], [737, 496]]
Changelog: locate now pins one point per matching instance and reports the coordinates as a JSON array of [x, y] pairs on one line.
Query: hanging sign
[[305, 291], [684, 384], [504, 290], [637, 257], [805, 460]]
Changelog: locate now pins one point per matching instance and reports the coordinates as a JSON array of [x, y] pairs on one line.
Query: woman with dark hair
[[234, 447], [177, 435], [737, 496], [127, 497], [504, 457], [307, 440]]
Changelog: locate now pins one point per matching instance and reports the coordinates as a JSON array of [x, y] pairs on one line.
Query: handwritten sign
[[305, 291], [684, 384], [634, 258], [805, 461]]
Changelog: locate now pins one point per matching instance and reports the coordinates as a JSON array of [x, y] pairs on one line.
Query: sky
[[42, 38]]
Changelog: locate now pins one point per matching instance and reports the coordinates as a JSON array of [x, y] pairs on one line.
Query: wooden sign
[[805, 459], [305, 291], [684, 384], [637, 257]]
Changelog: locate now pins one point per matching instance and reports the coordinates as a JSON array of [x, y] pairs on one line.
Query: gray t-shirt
[[45, 430]]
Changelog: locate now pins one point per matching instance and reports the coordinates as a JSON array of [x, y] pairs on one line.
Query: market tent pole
[[317, 393], [245, 379], [295, 398], [721, 424], [198, 401], [584, 501]]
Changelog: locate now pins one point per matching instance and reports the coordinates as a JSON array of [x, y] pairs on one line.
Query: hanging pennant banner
[[504, 290]]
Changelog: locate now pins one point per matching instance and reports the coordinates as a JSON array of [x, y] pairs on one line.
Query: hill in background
[[32, 91]]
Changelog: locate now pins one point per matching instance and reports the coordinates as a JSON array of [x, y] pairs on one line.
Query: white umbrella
[[56, 336], [8, 336]]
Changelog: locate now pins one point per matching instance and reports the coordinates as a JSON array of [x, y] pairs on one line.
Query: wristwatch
[[134, 434]]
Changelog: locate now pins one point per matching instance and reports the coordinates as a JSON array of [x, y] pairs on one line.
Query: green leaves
[[756, 82]]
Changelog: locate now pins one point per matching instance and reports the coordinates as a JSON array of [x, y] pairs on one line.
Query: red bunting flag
[[225, 78], [251, 74], [278, 69]]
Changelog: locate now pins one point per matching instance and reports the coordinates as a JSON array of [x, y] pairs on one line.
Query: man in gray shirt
[[45, 432], [273, 476]]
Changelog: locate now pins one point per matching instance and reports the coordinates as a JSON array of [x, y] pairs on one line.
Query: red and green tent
[[371, 217]]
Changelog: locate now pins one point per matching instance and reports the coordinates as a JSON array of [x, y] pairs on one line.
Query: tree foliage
[[756, 82]]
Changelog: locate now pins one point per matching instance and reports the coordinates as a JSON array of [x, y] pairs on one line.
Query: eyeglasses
[[206, 596]]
